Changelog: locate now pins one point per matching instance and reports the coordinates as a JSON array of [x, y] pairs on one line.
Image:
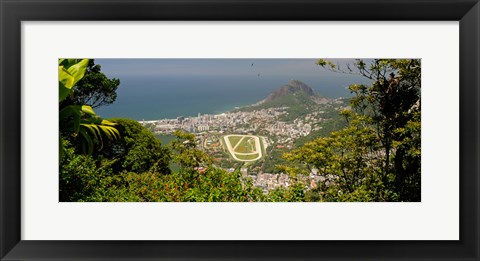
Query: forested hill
[[289, 89], [296, 95]]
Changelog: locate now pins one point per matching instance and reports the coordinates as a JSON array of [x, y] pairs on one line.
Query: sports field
[[244, 147], [234, 139]]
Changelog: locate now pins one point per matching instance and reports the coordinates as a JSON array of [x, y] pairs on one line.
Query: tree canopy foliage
[[137, 151], [94, 89], [377, 156], [185, 152]]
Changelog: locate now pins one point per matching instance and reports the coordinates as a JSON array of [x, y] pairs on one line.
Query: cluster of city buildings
[[268, 181], [231, 122], [242, 122]]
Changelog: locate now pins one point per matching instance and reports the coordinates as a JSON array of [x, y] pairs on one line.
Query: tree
[[214, 185], [138, 150], [380, 147], [348, 162], [407, 159], [95, 89], [391, 99], [79, 120], [80, 175], [185, 152]]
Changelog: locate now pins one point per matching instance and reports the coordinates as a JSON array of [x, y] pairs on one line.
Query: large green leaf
[[78, 70], [92, 128], [69, 74], [88, 146], [88, 110], [65, 77], [64, 92], [97, 129], [71, 116], [108, 123]]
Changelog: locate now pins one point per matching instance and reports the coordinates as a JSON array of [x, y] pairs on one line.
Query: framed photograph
[[300, 130]]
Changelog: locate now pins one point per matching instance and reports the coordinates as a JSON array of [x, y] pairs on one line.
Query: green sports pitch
[[244, 147]]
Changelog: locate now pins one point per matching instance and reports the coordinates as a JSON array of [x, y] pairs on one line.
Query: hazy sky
[[215, 67]]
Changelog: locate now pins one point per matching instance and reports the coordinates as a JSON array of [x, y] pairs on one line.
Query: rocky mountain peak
[[292, 87]]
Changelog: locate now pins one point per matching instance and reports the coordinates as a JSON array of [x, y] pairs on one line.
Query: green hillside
[[297, 96]]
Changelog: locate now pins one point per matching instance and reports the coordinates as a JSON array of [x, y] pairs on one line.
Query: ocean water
[[158, 97]]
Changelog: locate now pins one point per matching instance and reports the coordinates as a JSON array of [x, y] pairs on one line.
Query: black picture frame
[[13, 12]]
